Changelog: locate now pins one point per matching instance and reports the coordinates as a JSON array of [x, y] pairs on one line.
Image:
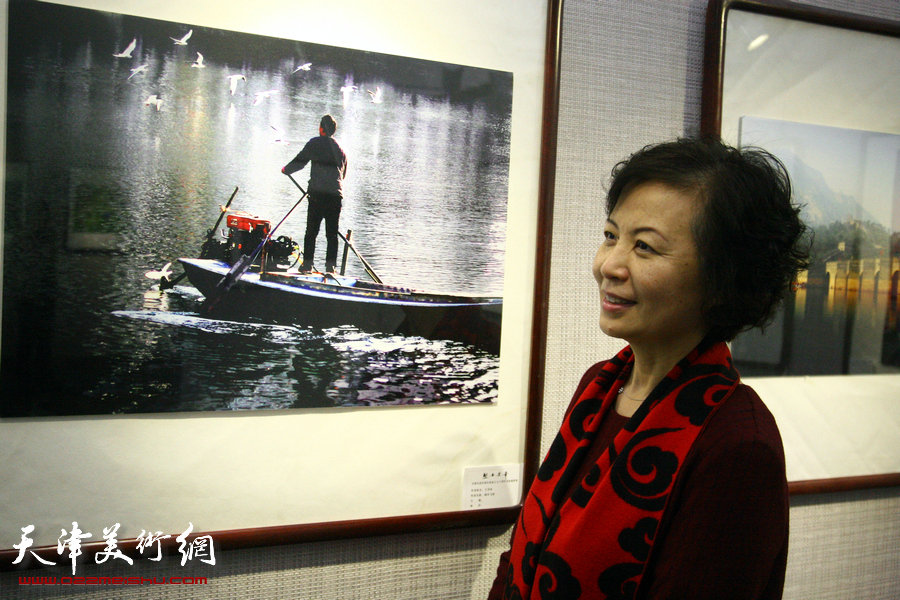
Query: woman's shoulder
[[745, 410], [744, 424], [729, 511]]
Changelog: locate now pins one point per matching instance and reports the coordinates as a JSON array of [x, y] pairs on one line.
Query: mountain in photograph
[[821, 204]]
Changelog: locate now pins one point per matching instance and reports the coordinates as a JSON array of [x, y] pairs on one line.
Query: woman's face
[[648, 269]]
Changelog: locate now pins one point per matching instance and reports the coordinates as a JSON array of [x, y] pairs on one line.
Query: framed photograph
[[166, 358], [818, 90]]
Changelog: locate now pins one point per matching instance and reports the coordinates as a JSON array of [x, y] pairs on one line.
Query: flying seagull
[[303, 67], [126, 53], [137, 70], [199, 62], [153, 100], [182, 41], [233, 80], [376, 95], [260, 96]]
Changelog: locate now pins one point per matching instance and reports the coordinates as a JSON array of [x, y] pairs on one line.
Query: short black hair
[[749, 235], [328, 125]]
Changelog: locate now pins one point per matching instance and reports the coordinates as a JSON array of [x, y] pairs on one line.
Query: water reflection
[[237, 365], [841, 319]]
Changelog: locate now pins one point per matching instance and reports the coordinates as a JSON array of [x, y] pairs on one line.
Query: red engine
[[245, 233], [242, 221]]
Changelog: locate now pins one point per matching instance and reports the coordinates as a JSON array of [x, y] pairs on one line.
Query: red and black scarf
[[596, 542]]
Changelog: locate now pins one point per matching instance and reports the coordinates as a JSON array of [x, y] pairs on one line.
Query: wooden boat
[[247, 275], [331, 300]]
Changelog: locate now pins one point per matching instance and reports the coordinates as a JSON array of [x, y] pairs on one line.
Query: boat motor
[[245, 233]]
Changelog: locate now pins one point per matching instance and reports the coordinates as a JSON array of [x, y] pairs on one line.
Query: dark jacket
[[724, 533], [329, 165]]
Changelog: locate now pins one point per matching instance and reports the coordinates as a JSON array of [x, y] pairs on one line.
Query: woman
[[667, 478]]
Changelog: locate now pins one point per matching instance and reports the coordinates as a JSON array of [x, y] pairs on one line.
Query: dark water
[[239, 365], [827, 328], [102, 187]]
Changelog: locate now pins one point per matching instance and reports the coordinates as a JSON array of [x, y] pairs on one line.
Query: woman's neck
[[652, 362]]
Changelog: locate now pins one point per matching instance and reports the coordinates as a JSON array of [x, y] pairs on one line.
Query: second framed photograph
[[818, 88]]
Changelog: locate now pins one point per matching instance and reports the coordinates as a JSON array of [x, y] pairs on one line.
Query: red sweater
[[726, 533]]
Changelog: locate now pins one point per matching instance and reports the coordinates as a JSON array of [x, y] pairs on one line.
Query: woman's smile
[[613, 302]]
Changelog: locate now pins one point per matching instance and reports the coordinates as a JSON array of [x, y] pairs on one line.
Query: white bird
[[233, 82], [199, 62], [260, 96], [153, 100], [126, 53], [303, 67], [183, 40], [137, 70], [376, 95]]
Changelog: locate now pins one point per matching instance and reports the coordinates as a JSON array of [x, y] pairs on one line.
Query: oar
[[243, 263], [204, 250], [164, 282], [364, 262]]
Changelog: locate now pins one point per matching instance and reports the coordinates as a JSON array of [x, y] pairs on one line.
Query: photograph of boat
[[137, 154]]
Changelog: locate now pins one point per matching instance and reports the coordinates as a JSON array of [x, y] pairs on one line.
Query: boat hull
[[332, 301]]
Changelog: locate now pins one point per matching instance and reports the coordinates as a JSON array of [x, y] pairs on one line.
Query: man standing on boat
[[326, 176]]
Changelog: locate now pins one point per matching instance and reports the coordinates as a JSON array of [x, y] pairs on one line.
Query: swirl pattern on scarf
[[596, 543]]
